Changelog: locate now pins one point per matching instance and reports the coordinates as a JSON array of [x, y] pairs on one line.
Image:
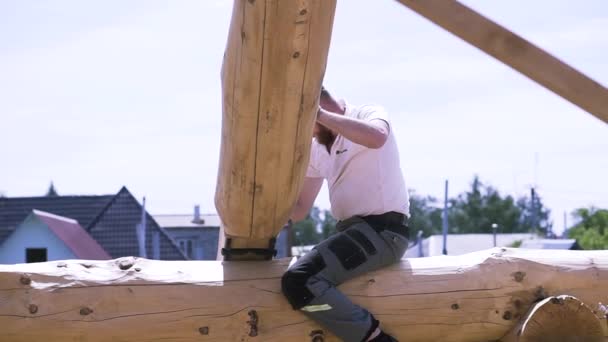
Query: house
[[43, 237], [458, 244], [196, 234], [111, 220]]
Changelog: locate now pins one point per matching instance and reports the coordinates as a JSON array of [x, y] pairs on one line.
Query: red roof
[[73, 235]]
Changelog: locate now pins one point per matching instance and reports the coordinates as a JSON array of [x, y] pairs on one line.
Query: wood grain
[[474, 297], [273, 68]]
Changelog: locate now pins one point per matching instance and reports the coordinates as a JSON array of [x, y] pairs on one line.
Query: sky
[[95, 95]]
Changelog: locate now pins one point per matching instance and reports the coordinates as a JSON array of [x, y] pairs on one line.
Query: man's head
[[330, 103], [323, 134]]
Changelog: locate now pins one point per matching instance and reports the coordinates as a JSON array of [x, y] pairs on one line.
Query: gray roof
[[551, 244], [84, 209], [458, 244], [110, 219], [187, 221]]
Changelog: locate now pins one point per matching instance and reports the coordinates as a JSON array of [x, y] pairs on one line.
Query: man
[[355, 151]]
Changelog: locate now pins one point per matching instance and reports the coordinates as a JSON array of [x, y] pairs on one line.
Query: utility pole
[[533, 204], [445, 220]]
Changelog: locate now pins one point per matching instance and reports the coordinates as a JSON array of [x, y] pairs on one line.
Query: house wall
[[33, 234], [204, 240]]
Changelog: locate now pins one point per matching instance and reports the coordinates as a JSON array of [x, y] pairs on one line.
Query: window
[[35, 255], [186, 245]]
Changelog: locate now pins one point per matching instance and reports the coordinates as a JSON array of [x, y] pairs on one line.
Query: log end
[[561, 318]]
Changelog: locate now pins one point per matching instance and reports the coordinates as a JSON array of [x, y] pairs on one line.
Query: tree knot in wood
[[85, 311], [519, 276], [540, 294], [507, 315], [296, 54], [518, 304], [203, 330], [125, 264], [33, 308], [317, 336], [303, 12], [253, 323], [25, 280], [455, 306]]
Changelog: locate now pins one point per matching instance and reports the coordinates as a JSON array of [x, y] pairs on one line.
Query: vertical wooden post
[[272, 72]]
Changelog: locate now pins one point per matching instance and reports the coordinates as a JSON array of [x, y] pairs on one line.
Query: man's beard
[[325, 137]]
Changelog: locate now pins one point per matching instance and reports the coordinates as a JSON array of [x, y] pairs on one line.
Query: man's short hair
[[324, 93]]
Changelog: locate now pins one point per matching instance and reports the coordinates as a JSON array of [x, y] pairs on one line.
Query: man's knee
[[294, 282]]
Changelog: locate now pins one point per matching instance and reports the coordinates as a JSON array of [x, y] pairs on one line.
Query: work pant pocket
[[397, 243]]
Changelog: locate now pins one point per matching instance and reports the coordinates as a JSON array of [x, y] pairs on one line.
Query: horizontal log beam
[[474, 297], [516, 52]]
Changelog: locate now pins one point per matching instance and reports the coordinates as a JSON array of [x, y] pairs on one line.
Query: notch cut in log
[[475, 297], [516, 52], [272, 72], [561, 318]]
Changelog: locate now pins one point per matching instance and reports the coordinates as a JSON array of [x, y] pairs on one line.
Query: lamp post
[[494, 228]]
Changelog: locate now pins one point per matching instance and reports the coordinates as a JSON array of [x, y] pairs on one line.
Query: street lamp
[[494, 228]]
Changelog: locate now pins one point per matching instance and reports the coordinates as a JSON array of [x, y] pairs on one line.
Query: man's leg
[[310, 284]]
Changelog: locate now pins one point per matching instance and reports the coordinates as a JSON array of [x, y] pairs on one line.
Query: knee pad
[[294, 281]]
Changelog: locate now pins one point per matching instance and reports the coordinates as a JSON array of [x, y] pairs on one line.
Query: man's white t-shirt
[[362, 181]]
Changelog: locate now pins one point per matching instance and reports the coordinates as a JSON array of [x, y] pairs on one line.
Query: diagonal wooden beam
[[516, 52]]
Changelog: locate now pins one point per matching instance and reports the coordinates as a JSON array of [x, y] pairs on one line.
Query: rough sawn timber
[[474, 297]]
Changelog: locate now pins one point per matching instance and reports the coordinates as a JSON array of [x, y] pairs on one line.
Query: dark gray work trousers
[[360, 246]]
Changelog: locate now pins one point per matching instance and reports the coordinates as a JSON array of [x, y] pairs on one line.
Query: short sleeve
[[369, 113]]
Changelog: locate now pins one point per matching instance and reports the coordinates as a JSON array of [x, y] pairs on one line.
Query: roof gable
[[114, 228], [13, 210], [73, 236]]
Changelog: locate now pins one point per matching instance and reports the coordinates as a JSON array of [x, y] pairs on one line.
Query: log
[[272, 73], [561, 318], [516, 52], [475, 297]]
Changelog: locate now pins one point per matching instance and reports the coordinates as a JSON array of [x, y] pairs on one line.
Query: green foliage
[[473, 211], [516, 244], [476, 210], [425, 214], [328, 225], [314, 228], [592, 230]]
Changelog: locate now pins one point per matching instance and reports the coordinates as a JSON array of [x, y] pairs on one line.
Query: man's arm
[[371, 134], [309, 192]]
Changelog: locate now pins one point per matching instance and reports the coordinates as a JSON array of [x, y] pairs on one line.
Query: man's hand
[[371, 134]]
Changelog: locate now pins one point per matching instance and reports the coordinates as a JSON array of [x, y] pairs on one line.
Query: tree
[[306, 231], [534, 216], [328, 225], [477, 210], [315, 228], [591, 231], [51, 192], [425, 215]]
